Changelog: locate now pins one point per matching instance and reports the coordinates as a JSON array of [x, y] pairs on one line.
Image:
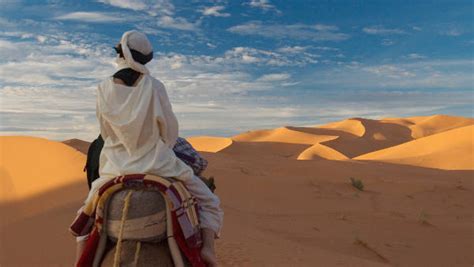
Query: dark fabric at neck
[[128, 76]]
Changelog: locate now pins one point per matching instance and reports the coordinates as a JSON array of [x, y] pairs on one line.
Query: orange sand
[[209, 143], [416, 209]]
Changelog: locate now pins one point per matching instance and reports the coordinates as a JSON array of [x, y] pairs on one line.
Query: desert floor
[[286, 194]]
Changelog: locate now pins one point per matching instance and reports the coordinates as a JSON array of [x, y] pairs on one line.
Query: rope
[[118, 249], [137, 254]]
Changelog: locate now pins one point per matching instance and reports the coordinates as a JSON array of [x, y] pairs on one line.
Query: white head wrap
[[136, 41]]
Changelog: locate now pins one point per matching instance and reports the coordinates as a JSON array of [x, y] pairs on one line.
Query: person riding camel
[[139, 130]]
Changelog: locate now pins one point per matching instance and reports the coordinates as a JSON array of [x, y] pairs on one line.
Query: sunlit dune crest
[[289, 135], [209, 143], [320, 151], [450, 150], [352, 126], [31, 165]]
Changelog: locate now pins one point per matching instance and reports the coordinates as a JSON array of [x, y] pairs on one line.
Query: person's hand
[[209, 256]]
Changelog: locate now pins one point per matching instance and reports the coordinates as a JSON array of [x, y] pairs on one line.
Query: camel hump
[[145, 218]]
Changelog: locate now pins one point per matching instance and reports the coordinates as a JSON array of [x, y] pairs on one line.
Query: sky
[[234, 66]]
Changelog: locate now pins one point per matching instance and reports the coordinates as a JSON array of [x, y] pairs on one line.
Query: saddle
[[141, 216]]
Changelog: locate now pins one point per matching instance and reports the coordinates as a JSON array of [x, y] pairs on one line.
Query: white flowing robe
[[139, 130]]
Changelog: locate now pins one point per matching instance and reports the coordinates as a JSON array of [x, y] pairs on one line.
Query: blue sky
[[232, 66]]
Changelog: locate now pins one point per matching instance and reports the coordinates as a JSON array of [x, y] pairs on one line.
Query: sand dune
[[428, 125], [286, 135], [450, 150], [366, 136], [363, 136], [320, 151], [31, 165], [353, 137], [281, 211], [209, 143], [352, 126]]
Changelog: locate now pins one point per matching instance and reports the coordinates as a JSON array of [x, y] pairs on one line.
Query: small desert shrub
[[424, 217], [357, 184]]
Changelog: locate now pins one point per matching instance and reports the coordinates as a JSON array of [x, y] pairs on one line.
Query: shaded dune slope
[[31, 165], [80, 145], [367, 135]]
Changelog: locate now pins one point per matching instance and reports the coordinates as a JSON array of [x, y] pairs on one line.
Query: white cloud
[[96, 17], [264, 5], [52, 113], [292, 49], [316, 32], [48, 85], [326, 48], [270, 58], [452, 32], [387, 42], [274, 77], [322, 27], [153, 7], [215, 11], [211, 45], [164, 10], [129, 4], [177, 23], [41, 39], [7, 46], [380, 30], [237, 58], [415, 56], [390, 71], [422, 75]]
